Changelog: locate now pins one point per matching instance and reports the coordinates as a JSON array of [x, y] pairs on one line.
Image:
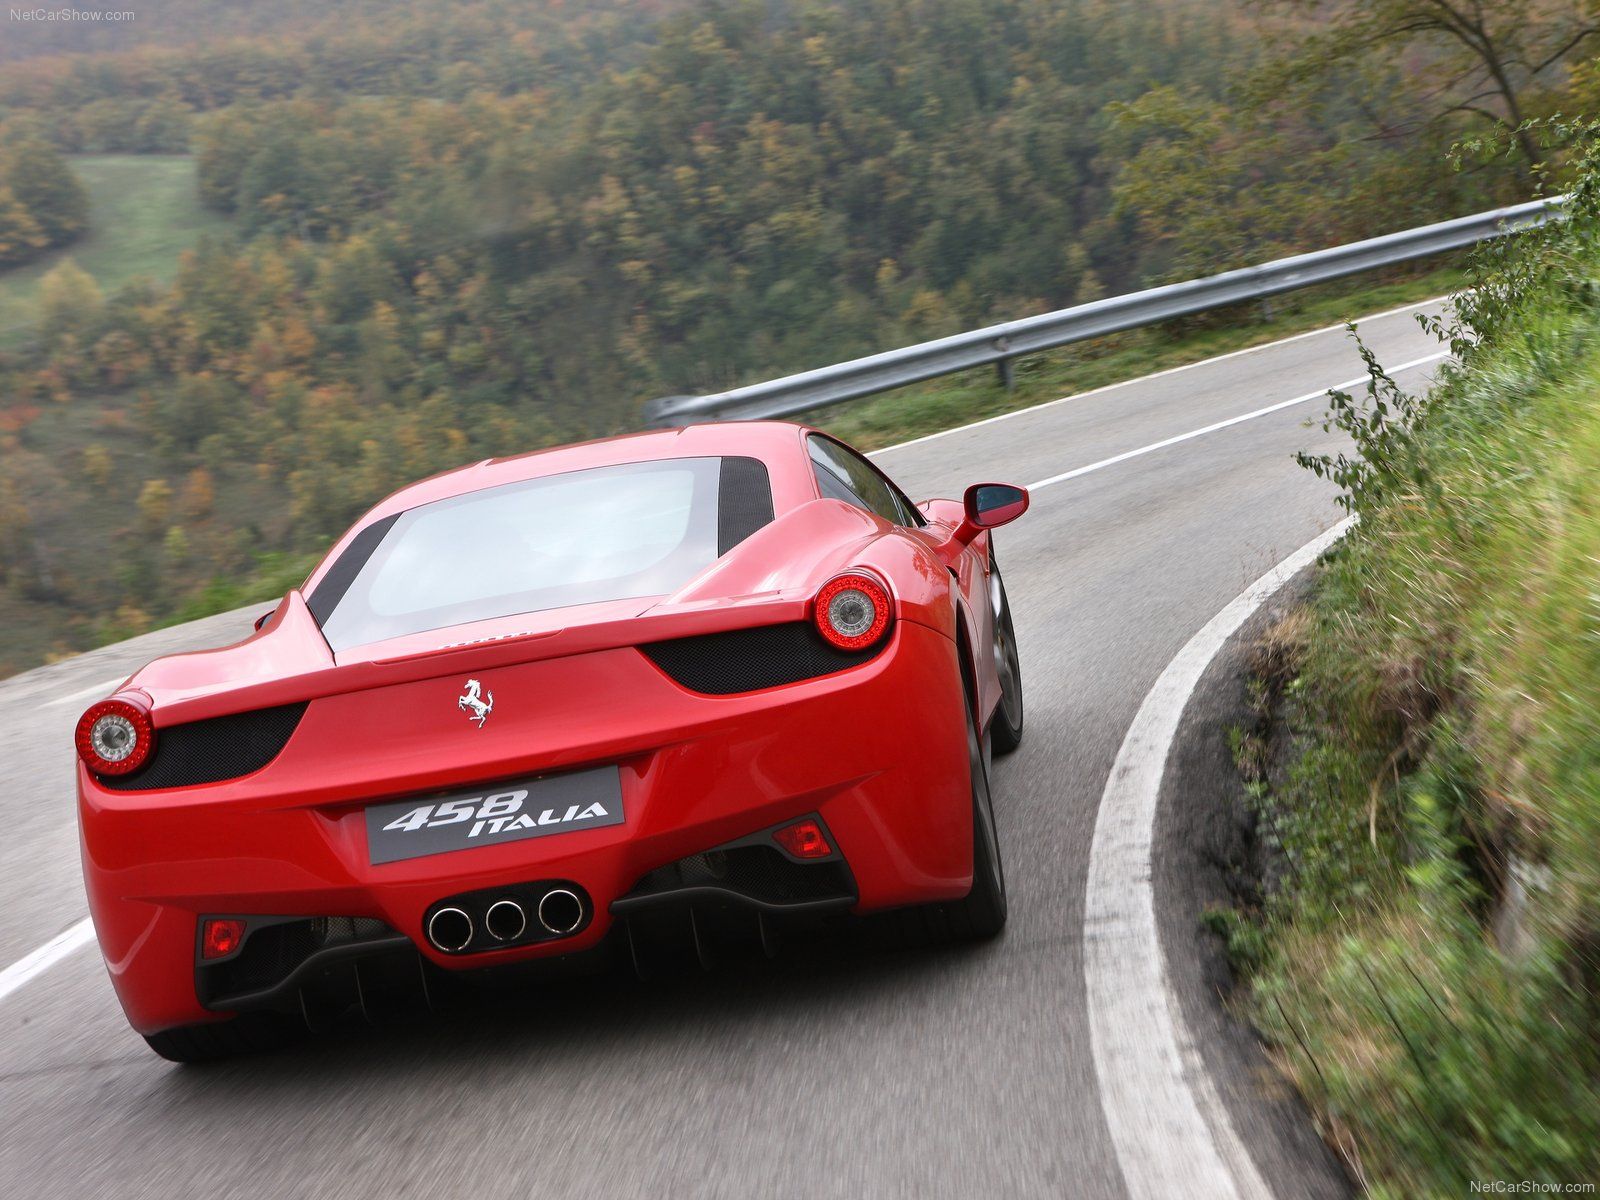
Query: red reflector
[[803, 839], [221, 938]]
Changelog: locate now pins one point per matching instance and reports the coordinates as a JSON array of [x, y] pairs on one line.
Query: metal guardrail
[[999, 344]]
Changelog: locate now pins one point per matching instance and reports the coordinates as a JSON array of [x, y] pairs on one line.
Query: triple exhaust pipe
[[559, 912]]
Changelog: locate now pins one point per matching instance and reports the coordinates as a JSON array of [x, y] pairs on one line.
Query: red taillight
[[220, 938], [115, 737], [852, 611], [803, 839]]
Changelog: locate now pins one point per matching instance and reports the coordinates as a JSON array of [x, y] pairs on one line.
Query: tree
[[1475, 59], [155, 503], [16, 533], [1203, 185], [176, 544], [44, 185], [97, 464], [163, 127], [69, 299], [20, 235], [199, 495]]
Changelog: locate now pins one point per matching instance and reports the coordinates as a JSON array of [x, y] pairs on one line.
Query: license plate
[[487, 816]]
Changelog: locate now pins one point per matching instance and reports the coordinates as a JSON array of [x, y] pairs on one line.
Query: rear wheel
[[1005, 729], [981, 913], [249, 1033]]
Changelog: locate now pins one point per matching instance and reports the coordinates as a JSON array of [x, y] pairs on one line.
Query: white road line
[[45, 957], [1122, 383], [98, 689], [1249, 416], [1172, 1133]]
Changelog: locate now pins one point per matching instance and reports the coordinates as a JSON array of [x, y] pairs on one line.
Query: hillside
[[466, 230]]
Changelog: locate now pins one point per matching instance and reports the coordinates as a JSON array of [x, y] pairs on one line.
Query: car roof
[[766, 440], [776, 443]]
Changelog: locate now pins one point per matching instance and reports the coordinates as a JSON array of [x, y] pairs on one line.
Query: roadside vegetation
[[1425, 949], [430, 231]]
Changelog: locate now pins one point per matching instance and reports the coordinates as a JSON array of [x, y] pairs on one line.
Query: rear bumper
[[732, 898], [872, 750]]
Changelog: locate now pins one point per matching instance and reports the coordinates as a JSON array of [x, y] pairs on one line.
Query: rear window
[[610, 533]]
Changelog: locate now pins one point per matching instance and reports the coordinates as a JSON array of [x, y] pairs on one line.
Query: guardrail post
[[656, 412], [1004, 371]]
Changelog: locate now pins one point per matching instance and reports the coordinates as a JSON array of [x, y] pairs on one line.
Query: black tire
[[1005, 727], [251, 1033]]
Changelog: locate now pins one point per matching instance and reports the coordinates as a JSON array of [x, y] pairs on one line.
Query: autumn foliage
[[468, 229]]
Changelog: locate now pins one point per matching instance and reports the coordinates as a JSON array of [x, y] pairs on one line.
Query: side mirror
[[984, 506], [990, 505]]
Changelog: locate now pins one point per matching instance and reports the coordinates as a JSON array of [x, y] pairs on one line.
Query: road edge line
[[104, 688], [1171, 1133], [46, 956]]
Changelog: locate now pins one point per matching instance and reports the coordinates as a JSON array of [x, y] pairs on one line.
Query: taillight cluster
[[115, 737], [852, 611]]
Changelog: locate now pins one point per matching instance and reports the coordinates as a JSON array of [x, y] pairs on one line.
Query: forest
[[465, 229]]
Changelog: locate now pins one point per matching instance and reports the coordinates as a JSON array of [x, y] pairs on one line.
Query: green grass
[[958, 399], [144, 210]]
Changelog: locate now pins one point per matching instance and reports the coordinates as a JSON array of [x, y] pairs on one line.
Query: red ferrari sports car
[[684, 685]]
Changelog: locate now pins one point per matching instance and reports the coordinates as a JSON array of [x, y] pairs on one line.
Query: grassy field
[[143, 212]]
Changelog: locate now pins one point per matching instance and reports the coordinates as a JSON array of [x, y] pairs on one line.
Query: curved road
[[965, 1072]]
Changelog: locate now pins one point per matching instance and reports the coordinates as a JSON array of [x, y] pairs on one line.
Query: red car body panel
[[879, 749]]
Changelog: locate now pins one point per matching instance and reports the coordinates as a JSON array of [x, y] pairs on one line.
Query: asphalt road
[[958, 1073]]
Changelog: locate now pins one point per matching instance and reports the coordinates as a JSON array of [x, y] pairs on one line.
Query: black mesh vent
[[272, 953], [744, 660], [213, 750], [760, 872], [744, 501]]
